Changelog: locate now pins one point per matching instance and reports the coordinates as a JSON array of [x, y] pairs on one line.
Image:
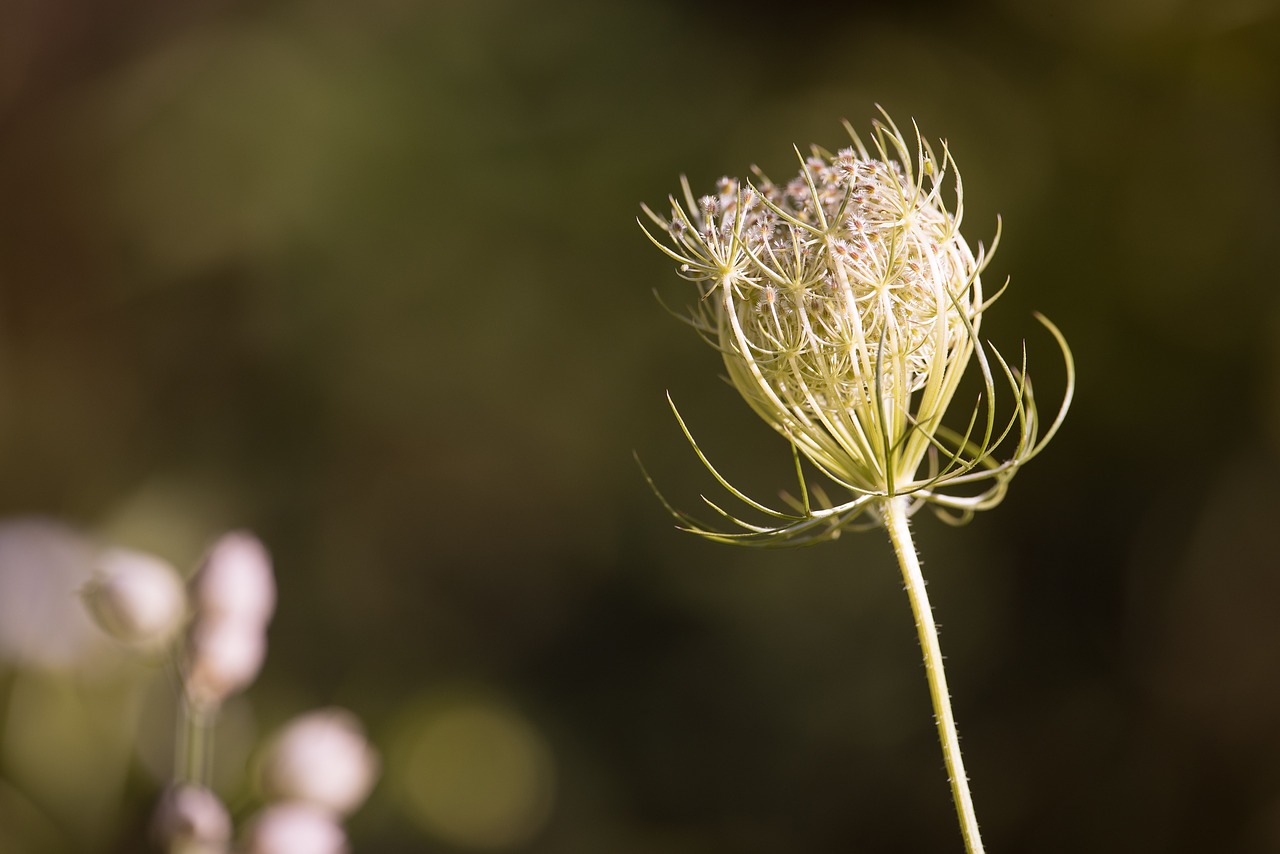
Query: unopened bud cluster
[[849, 264], [233, 597], [835, 296], [315, 772], [846, 306]]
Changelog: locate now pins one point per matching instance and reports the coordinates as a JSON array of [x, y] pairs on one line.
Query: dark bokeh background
[[366, 279]]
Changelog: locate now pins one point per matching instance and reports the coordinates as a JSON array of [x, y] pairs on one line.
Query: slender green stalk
[[894, 510], [193, 735], [196, 728]]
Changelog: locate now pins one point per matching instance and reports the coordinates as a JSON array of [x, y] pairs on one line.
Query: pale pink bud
[[322, 758], [294, 828], [223, 658], [192, 819], [235, 582], [136, 598], [42, 565]]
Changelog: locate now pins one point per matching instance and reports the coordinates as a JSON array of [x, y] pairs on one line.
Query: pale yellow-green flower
[[847, 305]]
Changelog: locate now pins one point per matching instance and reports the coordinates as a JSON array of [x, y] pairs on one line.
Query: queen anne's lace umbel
[[847, 306]]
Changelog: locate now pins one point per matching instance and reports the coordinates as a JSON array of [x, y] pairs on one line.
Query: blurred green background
[[365, 278]]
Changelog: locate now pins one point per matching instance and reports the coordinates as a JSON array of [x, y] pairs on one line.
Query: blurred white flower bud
[[136, 598], [294, 828], [322, 758], [235, 582], [223, 657], [191, 820], [43, 563]]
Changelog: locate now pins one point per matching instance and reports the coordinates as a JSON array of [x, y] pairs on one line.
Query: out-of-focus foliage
[[366, 279]]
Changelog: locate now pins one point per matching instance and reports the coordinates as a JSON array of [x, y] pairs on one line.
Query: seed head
[[847, 306]]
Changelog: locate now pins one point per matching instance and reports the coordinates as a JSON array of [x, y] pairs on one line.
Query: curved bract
[[847, 307]]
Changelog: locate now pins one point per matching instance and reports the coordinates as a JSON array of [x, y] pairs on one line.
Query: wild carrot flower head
[[847, 305]]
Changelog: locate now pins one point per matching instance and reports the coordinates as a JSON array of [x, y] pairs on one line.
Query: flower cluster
[[314, 773], [847, 306], [234, 596]]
